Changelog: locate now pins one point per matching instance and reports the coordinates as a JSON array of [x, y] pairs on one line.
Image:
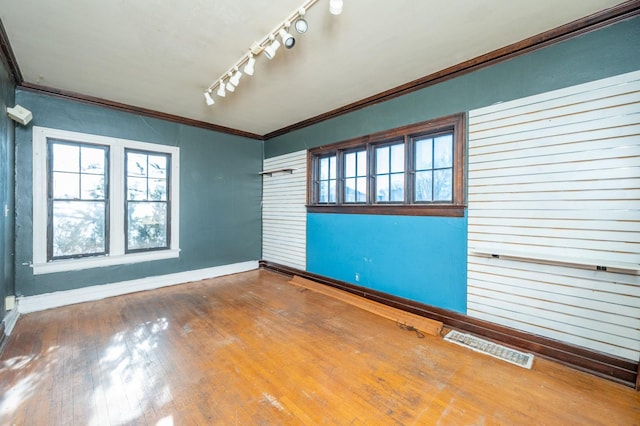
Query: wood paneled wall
[[284, 215], [554, 215]]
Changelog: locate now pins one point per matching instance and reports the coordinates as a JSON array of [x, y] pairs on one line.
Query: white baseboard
[[10, 320], [56, 299]]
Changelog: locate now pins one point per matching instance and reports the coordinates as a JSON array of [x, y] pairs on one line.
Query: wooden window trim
[[456, 208]]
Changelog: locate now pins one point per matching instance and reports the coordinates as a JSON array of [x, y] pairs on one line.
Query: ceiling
[[162, 55]]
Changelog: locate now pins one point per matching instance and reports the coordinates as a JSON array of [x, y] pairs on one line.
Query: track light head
[[235, 79], [287, 39], [249, 68], [301, 25], [270, 51], [221, 92], [335, 7], [208, 98], [230, 86]]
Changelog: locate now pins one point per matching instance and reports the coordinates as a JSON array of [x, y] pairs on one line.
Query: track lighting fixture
[[221, 92], [249, 68], [287, 39], [270, 51], [335, 7], [301, 24], [208, 98], [268, 45]]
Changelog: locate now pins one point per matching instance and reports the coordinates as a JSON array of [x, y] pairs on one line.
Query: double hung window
[[101, 201]]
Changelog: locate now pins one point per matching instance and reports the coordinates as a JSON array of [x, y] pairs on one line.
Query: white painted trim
[[97, 262], [10, 320], [117, 254], [56, 299]]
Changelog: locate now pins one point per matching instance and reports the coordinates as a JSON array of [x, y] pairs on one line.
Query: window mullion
[[117, 193], [370, 178], [407, 180], [339, 177]]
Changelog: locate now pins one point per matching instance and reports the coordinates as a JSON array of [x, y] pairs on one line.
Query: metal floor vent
[[493, 349]]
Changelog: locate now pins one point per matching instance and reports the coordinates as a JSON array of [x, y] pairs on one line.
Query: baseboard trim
[[616, 369], [3, 337], [57, 299], [6, 327]]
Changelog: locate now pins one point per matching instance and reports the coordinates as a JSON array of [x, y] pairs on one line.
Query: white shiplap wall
[[284, 215], [554, 189]]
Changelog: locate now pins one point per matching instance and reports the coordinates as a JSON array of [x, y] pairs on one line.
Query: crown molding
[[91, 100], [573, 29], [7, 56]]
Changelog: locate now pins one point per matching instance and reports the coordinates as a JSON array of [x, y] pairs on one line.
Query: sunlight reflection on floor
[[132, 376]]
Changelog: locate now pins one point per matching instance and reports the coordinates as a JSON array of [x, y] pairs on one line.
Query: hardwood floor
[[251, 349]]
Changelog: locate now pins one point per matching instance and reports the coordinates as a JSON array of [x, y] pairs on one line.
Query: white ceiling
[[162, 55]]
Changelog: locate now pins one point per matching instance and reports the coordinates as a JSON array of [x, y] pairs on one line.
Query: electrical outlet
[[357, 277]]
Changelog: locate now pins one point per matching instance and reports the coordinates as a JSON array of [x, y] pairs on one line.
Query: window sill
[[397, 210], [97, 262]]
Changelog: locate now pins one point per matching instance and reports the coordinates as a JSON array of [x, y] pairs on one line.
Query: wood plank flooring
[[251, 349]]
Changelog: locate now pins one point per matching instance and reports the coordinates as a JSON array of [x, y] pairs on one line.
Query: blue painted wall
[[419, 258], [7, 170], [220, 192], [423, 258]]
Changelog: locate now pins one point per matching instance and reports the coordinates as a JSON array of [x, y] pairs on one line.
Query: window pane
[[443, 151], [157, 166], [361, 193], [78, 228], [397, 187], [424, 154], [382, 160], [146, 225], [332, 191], [323, 191], [424, 186], [66, 158], [324, 168], [332, 167], [66, 186], [92, 160], [350, 190], [136, 164], [350, 164], [362, 163], [136, 188], [397, 158], [158, 189], [442, 187], [382, 188], [92, 187]]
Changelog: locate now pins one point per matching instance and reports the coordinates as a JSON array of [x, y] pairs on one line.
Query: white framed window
[[100, 201]]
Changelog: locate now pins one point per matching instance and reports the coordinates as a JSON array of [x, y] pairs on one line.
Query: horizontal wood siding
[[554, 193], [284, 217]]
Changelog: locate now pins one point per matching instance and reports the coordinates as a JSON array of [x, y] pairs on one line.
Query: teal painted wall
[[220, 192], [7, 170], [424, 259]]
